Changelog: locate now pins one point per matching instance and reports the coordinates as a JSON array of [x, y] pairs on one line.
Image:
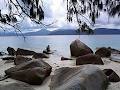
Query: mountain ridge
[[42, 32]]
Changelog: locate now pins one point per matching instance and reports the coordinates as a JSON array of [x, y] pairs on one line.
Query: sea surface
[[59, 43]]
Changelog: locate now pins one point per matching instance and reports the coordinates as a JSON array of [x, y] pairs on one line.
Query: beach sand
[[55, 62]]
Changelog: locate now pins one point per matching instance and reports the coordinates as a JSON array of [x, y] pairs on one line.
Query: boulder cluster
[[29, 70], [35, 70]]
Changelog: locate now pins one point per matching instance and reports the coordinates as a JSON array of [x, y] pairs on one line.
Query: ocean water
[[59, 43]]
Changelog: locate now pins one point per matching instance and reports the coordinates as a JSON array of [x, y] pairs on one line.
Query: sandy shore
[[55, 62]]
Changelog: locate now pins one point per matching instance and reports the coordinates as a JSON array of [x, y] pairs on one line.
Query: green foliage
[[75, 8], [30, 8], [113, 7], [5, 18], [34, 8], [80, 8]]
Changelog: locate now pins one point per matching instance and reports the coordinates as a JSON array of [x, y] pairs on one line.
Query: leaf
[[8, 18], [107, 2], [40, 12], [97, 14], [100, 6], [74, 1], [14, 19], [37, 1], [32, 12], [0, 14], [93, 17], [28, 2], [3, 20]]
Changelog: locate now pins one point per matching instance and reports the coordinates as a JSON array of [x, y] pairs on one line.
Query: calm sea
[[59, 43]]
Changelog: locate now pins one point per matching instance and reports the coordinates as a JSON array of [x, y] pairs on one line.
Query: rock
[[16, 86], [89, 59], [64, 58], [11, 51], [78, 48], [112, 76], [46, 52], [40, 55], [114, 51], [8, 58], [103, 52], [48, 48], [20, 59], [24, 52], [87, 77], [33, 72], [1, 54]]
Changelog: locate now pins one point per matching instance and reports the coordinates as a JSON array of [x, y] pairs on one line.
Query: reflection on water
[[59, 43]]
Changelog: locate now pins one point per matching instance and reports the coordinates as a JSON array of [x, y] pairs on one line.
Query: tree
[[22, 8], [92, 8], [76, 9]]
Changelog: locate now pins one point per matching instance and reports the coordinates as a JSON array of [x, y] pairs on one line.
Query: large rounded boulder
[[89, 59], [103, 52], [33, 72], [11, 51], [86, 77], [78, 48]]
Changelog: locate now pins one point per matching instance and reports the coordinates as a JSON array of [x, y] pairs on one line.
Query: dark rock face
[[16, 86], [24, 52], [112, 76], [89, 59], [40, 55], [20, 59], [8, 58], [86, 77], [78, 48], [64, 58], [103, 52], [11, 51], [33, 72]]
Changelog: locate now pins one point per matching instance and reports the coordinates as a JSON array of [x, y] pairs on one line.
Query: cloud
[[105, 21], [55, 13]]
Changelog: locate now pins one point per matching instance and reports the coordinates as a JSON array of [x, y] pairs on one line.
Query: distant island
[[43, 32]]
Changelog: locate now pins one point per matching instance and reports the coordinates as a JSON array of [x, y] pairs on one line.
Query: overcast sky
[[55, 11]]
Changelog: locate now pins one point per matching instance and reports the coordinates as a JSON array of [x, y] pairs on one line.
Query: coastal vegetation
[[84, 11]]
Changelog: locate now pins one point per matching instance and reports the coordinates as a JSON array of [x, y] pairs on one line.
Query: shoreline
[[56, 63]]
